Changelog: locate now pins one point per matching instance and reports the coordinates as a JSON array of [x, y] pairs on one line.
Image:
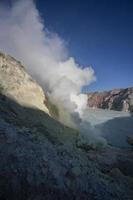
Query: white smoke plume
[[24, 36]]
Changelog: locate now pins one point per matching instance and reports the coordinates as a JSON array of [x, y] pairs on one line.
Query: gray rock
[[40, 158]]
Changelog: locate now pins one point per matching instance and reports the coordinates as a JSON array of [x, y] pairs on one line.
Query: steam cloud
[[24, 36]]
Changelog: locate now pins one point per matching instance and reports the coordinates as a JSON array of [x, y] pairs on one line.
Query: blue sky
[[98, 33]]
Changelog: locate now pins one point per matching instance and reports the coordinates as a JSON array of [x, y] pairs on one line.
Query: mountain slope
[[117, 99], [39, 157], [20, 93], [18, 85]]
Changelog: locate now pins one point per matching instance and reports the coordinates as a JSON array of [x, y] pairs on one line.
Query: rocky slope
[[117, 99], [40, 158], [19, 86]]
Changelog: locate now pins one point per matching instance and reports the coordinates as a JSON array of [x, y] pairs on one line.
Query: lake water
[[114, 126]]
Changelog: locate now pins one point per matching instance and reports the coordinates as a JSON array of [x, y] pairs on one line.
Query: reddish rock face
[[117, 99], [96, 99]]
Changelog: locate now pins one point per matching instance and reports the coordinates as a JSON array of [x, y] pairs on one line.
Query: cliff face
[[17, 84], [117, 99]]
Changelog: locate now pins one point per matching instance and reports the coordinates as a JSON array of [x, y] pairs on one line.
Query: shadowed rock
[[39, 156]]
